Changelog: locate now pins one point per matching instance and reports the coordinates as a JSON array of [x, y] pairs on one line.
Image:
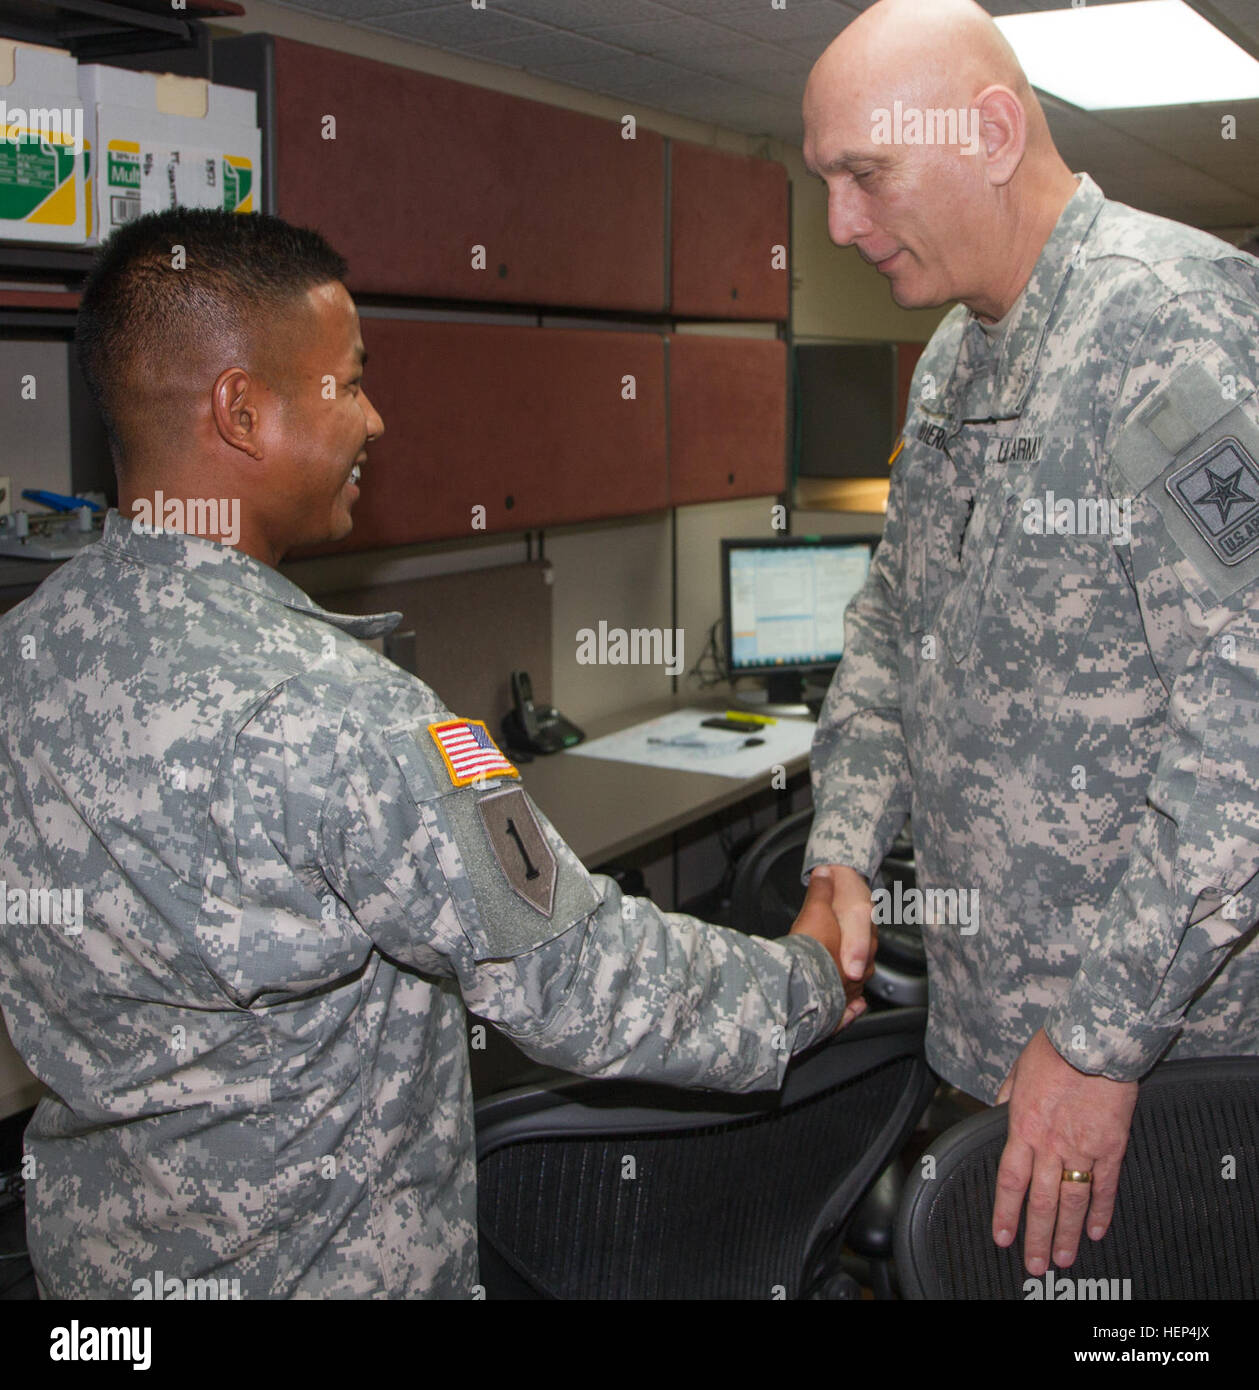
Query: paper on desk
[[719, 752]]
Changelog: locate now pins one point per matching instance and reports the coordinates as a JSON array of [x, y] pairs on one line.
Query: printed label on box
[[192, 178], [155, 178], [122, 183], [37, 180]]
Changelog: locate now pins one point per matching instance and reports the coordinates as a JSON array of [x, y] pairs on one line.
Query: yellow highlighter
[[743, 717]]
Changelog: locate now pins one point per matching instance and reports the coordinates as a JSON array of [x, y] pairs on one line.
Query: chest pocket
[[935, 513], [1036, 559], [958, 617]]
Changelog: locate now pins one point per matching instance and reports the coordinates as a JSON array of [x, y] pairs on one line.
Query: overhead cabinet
[[491, 429], [445, 190], [727, 418], [729, 235], [438, 188]]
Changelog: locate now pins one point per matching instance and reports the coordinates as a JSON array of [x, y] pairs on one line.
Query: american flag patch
[[469, 752]]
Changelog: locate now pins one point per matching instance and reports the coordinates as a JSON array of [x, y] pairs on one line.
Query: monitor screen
[[785, 600]]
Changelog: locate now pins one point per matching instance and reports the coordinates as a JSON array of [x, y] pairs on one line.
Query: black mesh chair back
[[624, 1190], [767, 895], [1186, 1223]]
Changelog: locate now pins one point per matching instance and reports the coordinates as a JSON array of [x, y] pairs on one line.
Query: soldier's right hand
[[830, 917], [854, 910]]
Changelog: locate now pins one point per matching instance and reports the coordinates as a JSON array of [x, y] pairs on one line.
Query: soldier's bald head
[[995, 177], [931, 53], [939, 47]]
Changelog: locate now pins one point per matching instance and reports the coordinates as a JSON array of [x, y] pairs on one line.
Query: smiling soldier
[[298, 867]]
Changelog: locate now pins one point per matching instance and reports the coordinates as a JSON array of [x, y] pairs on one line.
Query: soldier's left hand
[[1060, 1119]]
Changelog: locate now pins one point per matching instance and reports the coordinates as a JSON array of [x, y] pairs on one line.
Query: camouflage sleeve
[[471, 881], [1186, 450], [858, 766]]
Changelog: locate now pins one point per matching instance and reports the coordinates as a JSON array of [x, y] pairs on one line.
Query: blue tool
[[58, 501]]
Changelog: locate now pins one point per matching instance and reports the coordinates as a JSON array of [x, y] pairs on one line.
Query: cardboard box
[[44, 155], [164, 141]]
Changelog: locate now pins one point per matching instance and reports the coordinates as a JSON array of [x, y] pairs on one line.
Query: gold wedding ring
[[1076, 1175]]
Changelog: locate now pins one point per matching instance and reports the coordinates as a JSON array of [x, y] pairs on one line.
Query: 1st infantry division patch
[[522, 851], [1219, 493]]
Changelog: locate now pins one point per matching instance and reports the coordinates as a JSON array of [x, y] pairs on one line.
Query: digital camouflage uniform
[[1072, 722], [256, 1045]]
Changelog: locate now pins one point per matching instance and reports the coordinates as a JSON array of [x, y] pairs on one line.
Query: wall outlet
[[6, 499]]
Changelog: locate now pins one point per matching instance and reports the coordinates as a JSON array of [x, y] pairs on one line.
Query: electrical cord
[[710, 666]]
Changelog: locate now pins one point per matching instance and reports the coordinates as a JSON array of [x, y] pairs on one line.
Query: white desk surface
[[604, 809]]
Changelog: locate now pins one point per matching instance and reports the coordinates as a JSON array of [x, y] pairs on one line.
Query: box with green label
[[43, 146], [163, 141]]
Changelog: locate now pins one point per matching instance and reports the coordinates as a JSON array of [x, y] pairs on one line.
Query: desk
[[605, 809]]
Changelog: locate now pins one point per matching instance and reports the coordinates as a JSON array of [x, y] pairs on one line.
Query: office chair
[[767, 896], [629, 1190], [1182, 1229]]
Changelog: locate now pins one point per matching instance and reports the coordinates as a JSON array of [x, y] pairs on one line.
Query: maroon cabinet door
[[729, 235], [727, 418], [491, 429], [423, 169]]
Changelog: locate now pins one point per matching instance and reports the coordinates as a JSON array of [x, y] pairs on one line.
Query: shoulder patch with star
[[1191, 449], [1219, 492]]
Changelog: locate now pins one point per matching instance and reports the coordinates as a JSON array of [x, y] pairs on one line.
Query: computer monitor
[[783, 606]]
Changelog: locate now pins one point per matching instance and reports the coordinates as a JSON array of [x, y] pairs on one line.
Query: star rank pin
[[1219, 492], [468, 751]]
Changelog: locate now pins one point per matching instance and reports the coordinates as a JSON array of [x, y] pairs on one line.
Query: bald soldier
[[1054, 666], [296, 868]]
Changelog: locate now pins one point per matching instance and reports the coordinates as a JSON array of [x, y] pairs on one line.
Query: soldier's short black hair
[[237, 270]]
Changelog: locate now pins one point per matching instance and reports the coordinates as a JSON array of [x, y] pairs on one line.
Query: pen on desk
[[678, 742]]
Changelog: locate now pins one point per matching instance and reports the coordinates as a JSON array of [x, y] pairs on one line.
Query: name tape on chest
[[468, 751]]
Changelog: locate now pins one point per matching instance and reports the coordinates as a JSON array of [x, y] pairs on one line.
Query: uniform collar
[[981, 388], [223, 564]]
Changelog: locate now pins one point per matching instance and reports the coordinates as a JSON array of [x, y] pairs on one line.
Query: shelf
[[97, 30], [38, 299]]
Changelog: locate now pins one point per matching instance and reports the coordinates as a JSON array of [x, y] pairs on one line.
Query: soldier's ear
[[1002, 135], [235, 411]]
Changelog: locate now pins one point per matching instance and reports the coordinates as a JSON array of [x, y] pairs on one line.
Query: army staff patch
[[1219, 493], [520, 847]]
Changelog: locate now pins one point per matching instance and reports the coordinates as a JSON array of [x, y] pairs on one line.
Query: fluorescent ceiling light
[[1146, 53]]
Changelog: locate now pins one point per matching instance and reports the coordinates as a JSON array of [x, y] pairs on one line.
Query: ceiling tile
[[1244, 15], [458, 26], [583, 16], [801, 20], [552, 50], [749, 59], [674, 32], [715, 9]]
